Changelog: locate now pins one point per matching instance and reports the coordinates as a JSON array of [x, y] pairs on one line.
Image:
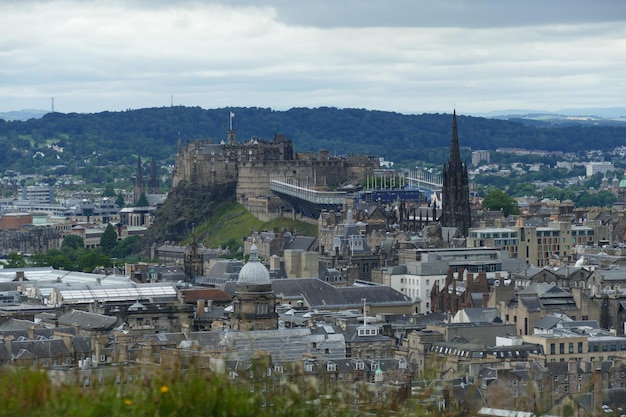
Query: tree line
[[85, 141], [73, 256]]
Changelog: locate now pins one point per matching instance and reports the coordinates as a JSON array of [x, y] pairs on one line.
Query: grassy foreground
[[25, 392]]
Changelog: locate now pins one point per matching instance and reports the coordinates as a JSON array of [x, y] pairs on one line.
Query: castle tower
[[254, 303], [138, 189], [455, 192]]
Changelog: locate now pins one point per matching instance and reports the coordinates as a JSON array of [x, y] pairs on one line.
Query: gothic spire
[[455, 153]]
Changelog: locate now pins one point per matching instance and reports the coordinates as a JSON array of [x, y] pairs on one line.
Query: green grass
[[173, 393], [233, 222]]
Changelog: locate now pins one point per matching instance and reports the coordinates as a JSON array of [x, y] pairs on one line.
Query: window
[[570, 347], [561, 348], [580, 347], [552, 349], [331, 367]]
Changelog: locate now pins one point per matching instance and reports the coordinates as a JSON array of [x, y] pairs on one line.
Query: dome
[[254, 272]]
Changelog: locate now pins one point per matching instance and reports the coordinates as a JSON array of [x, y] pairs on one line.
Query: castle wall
[[252, 164]]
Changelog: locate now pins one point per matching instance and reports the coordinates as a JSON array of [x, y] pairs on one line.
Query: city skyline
[[406, 56]]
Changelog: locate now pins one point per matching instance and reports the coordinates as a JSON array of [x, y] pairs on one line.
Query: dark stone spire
[[138, 189], [455, 192], [455, 153], [154, 180]]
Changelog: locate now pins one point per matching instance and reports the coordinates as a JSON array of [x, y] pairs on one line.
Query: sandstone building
[[251, 164]]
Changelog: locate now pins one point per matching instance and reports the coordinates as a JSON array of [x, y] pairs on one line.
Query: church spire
[[455, 192], [455, 153]]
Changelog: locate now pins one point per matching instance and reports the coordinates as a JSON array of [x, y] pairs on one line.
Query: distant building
[[479, 156], [596, 167], [38, 193]]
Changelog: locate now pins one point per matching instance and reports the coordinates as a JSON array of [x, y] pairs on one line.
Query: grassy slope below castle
[[231, 222]]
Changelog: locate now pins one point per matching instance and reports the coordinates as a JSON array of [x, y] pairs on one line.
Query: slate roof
[[542, 295], [548, 322], [225, 270], [192, 295], [323, 296], [41, 348], [281, 344], [87, 321], [351, 334], [306, 243], [81, 344], [16, 324]]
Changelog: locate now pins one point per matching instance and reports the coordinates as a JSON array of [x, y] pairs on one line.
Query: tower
[[254, 303], [138, 189], [193, 260], [154, 181], [455, 192], [231, 139]]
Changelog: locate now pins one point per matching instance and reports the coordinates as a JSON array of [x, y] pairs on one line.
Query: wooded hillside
[[107, 138]]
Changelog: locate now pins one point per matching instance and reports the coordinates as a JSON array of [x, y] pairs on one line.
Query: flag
[[232, 114]]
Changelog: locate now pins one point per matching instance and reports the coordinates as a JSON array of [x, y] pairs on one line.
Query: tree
[[39, 259], [92, 259], [108, 240], [15, 260], [119, 201], [108, 190], [498, 200], [71, 243], [124, 248], [143, 201]]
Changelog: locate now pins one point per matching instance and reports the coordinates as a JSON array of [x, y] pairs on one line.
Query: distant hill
[[23, 114], [106, 138]]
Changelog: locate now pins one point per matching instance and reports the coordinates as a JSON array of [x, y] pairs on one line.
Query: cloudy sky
[[408, 56]]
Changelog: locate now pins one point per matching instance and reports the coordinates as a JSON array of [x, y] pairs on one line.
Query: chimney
[[597, 392]]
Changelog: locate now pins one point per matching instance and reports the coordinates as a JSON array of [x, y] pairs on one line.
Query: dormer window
[[367, 331]]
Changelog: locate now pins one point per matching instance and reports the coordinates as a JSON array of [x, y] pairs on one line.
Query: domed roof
[[254, 272]]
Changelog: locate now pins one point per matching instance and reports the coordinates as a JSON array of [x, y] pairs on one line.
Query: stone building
[[254, 302], [455, 294], [249, 165], [455, 192]]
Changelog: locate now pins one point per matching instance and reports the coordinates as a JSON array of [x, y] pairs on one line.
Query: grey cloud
[[452, 13]]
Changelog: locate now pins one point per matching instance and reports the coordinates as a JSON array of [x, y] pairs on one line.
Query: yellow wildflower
[[127, 401], [164, 389]]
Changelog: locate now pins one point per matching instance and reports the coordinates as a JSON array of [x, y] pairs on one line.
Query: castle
[[249, 165]]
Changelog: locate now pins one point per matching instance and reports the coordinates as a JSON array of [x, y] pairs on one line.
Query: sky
[[406, 56]]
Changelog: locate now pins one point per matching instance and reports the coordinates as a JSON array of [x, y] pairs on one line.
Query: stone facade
[[251, 164]]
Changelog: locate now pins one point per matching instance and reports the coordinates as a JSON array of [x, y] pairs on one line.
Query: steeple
[[154, 181], [138, 189], [455, 192], [455, 153]]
